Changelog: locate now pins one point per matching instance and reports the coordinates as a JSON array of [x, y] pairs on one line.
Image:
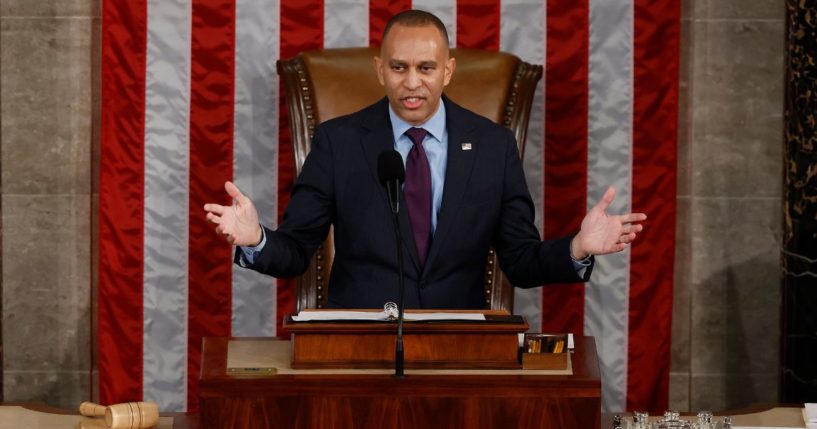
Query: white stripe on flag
[[446, 10], [167, 106], [609, 153], [345, 23], [522, 32], [255, 152]]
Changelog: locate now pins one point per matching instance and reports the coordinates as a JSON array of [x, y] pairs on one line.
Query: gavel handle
[[90, 409]]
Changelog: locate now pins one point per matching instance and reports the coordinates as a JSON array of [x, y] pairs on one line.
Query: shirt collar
[[435, 125]]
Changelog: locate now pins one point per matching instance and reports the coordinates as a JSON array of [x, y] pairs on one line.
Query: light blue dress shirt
[[436, 148]]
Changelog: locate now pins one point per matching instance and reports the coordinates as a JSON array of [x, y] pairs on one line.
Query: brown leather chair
[[324, 84]]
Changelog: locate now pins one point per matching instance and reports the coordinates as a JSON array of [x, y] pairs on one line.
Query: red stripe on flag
[[565, 149], [211, 164], [380, 11], [121, 200], [478, 24], [301, 29], [655, 113]]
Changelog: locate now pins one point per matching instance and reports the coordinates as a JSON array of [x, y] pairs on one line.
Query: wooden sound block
[[91, 409], [132, 415], [129, 415]]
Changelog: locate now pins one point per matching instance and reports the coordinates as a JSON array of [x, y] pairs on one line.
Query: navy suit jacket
[[485, 203]]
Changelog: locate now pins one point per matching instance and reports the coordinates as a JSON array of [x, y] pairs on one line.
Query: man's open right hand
[[237, 223]]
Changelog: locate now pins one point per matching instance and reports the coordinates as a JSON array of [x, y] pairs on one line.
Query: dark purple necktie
[[418, 192]]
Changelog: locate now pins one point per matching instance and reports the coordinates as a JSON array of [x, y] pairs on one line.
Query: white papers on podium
[[310, 316], [420, 317], [810, 415], [570, 343]]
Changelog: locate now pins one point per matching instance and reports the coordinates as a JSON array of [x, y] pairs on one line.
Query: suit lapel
[[381, 138], [457, 174]]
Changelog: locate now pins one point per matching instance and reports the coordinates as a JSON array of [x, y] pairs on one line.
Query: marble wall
[[726, 316], [727, 277], [49, 70]]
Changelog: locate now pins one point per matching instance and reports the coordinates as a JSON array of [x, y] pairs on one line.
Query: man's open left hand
[[602, 233]]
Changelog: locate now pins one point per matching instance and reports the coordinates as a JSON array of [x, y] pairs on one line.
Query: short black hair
[[416, 18]]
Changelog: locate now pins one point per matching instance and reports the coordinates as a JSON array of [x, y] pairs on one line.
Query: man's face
[[413, 67]]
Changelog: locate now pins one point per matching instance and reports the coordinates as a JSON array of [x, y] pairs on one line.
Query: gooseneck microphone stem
[[398, 352], [391, 173]]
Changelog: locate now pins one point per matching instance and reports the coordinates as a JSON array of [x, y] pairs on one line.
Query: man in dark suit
[[465, 191]]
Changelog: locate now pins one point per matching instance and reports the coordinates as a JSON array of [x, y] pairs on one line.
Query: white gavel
[[130, 415]]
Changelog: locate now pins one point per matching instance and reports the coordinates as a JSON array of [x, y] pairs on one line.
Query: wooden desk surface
[[585, 372], [257, 356]]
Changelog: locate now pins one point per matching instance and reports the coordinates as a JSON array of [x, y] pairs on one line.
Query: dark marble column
[[799, 324]]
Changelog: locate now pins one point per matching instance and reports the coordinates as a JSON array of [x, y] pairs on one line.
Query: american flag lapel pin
[[466, 146]]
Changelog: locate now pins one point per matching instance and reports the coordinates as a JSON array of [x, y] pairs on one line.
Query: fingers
[[633, 217], [629, 222], [619, 245], [213, 218], [215, 213], [215, 209], [232, 190], [235, 194], [216, 220], [222, 231], [607, 199], [628, 228]]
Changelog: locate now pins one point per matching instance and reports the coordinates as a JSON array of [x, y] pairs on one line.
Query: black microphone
[[391, 173]]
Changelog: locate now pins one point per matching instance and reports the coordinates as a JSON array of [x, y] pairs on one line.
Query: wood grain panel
[[416, 401], [318, 411]]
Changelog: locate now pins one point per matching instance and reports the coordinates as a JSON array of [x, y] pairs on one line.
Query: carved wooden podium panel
[[423, 399]]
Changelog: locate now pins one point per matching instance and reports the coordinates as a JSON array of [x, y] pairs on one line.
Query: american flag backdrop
[[190, 99]]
